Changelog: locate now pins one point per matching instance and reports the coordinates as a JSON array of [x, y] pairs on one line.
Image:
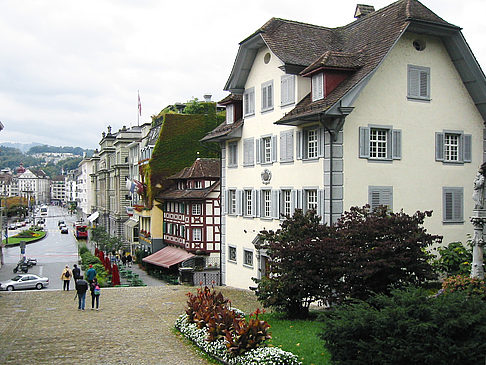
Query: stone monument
[[478, 221]]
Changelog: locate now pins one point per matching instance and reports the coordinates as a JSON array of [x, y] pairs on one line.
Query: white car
[[25, 281]]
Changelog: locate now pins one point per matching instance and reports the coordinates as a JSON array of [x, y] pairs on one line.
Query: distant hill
[[78, 151], [23, 147]]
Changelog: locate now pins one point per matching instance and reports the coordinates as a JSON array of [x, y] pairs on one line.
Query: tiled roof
[[222, 130], [230, 99], [202, 167], [174, 194]]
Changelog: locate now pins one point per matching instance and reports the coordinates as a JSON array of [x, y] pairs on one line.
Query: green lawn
[[14, 240], [301, 337]]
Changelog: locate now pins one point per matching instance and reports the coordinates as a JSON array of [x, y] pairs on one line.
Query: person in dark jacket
[[76, 272], [81, 289], [95, 293]]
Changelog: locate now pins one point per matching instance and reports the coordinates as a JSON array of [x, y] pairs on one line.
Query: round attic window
[[419, 44], [266, 58]]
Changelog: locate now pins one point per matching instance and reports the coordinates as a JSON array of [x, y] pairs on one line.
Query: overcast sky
[[68, 69]]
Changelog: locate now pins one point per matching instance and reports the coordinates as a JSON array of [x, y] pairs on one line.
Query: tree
[[454, 259], [365, 252], [388, 249], [302, 253]]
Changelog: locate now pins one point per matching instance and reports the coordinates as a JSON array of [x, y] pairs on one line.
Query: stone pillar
[[478, 221]]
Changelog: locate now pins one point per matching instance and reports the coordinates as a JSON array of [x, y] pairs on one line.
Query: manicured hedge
[[408, 327]]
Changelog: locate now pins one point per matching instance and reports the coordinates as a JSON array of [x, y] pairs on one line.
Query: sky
[[69, 69]]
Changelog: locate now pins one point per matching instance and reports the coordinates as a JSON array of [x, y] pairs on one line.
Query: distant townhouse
[[34, 184], [191, 219], [387, 110], [58, 190], [84, 187]]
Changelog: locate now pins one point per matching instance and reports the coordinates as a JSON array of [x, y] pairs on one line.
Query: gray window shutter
[[254, 209], [320, 204], [299, 146], [283, 146], [453, 205], [239, 202], [290, 146], [413, 82], [258, 151], [257, 203], [364, 142], [248, 152], [396, 144], [320, 141], [224, 201], [293, 201], [300, 199], [262, 203], [274, 148], [275, 202], [439, 146], [467, 148], [380, 195]]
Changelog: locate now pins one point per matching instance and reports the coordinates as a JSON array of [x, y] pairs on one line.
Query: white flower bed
[[259, 356]]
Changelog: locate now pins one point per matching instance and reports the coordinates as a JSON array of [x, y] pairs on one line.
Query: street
[[53, 252]]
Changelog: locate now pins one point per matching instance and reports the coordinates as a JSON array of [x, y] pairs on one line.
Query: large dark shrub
[[408, 327]]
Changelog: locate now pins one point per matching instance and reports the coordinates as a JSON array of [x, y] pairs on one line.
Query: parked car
[[19, 224], [12, 226], [62, 226], [60, 223], [24, 281], [64, 229]]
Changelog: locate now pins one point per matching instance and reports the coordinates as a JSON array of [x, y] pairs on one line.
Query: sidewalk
[[142, 274]]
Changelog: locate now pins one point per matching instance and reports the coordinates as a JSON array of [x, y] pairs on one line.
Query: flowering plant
[[470, 286]]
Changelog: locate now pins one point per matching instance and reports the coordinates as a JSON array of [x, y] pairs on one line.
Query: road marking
[[41, 268]]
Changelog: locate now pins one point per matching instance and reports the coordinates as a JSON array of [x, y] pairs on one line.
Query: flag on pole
[[139, 105]]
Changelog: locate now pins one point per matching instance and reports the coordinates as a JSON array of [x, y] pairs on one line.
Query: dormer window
[[318, 86], [198, 184], [230, 115]]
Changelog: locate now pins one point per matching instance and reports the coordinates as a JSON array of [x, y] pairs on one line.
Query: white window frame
[[286, 205], [197, 234], [266, 203], [311, 200], [196, 209], [380, 143], [287, 90], [312, 143], [232, 201], [317, 82], [198, 184], [448, 151], [230, 114], [249, 102], [232, 250], [248, 257], [248, 203], [266, 149], [267, 96], [233, 154]]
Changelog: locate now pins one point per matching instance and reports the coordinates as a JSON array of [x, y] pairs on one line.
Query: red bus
[[80, 231]]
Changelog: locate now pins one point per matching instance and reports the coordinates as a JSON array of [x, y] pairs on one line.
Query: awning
[[93, 216], [130, 223], [168, 256]]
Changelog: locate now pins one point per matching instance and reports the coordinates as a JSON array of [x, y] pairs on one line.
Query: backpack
[[67, 274], [97, 290]]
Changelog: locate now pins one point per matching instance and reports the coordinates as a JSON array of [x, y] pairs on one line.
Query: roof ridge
[[296, 22]]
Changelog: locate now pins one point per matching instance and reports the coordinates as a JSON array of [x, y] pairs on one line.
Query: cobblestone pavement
[[133, 326]]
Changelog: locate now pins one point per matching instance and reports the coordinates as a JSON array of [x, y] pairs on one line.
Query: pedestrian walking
[[129, 260], [124, 260], [66, 277], [95, 294], [91, 273], [81, 289], [76, 273]]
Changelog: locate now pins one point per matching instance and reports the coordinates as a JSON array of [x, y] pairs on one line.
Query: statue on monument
[[478, 193]]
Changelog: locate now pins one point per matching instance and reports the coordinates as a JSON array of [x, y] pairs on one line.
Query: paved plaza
[[134, 326]]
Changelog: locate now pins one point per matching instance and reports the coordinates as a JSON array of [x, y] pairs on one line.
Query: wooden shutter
[[453, 205], [224, 201], [380, 195], [275, 205], [299, 145], [283, 146], [320, 141], [254, 205], [467, 148], [439, 146], [396, 144], [239, 202], [274, 148], [290, 146], [293, 201], [413, 82], [320, 204], [364, 142], [258, 151]]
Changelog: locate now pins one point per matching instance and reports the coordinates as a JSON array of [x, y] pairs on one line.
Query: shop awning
[[93, 216], [168, 256], [130, 223]]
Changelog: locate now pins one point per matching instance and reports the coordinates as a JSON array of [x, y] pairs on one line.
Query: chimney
[[362, 10], [207, 98]]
